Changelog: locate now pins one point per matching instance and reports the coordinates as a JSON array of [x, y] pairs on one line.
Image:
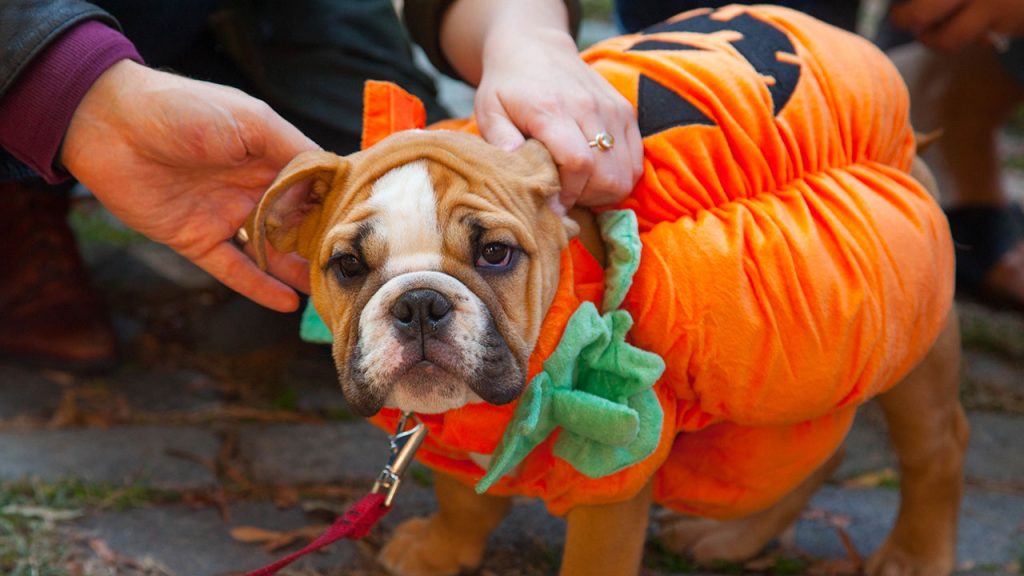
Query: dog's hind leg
[[452, 539], [740, 539], [929, 432]]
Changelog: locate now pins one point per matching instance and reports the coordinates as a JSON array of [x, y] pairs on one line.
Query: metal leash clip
[[403, 445]]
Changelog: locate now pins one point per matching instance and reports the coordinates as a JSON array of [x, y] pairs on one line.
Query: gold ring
[[603, 141]]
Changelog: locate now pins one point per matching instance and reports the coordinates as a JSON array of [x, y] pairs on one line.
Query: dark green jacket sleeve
[[29, 26], [423, 20]]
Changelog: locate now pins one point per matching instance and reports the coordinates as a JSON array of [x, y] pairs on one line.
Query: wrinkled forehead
[[404, 202], [409, 196]]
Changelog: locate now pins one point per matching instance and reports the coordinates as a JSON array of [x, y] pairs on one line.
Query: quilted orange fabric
[[791, 269]]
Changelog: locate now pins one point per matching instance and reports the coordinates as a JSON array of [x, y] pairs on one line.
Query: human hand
[[184, 162], [537, 86], [951, 25]]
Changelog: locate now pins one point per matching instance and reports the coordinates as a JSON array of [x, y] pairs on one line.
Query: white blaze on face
[[405, 219], [406, 209]]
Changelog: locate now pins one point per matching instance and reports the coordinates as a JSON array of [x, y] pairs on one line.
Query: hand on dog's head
[[433, 258]]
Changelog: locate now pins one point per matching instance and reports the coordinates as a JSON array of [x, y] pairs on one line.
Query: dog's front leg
[[929, 432], [449, 541], [607, 540]]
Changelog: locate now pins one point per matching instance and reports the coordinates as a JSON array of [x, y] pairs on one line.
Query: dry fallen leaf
[[273, 541], [103, 551], [44, 514], [285, 497], [851, 549], [872, 479], [66, 414], [252, 534], [834, 568]]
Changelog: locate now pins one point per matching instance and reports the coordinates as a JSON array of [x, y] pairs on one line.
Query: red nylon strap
[[354, 524]]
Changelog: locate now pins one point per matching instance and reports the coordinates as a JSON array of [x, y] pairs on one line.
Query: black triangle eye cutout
[[760, 45], [660, 108]]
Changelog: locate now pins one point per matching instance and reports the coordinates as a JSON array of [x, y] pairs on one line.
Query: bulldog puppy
[[438, 257], [434, 260]]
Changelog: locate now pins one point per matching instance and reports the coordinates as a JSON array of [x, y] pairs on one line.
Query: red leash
[[357, 521]]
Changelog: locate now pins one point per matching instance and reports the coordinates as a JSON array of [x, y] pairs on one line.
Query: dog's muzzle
[[426, 344]]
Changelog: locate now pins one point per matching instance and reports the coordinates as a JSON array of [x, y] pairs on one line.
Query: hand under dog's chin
[[429, 389]]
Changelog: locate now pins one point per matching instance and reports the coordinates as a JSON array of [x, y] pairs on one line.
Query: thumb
[[286, 141]]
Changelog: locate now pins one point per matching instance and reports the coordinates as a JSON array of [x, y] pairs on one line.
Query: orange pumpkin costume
[[791, 268]]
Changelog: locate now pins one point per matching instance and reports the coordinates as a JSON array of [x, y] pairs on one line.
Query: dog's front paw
[[894, 560], [419, 547]]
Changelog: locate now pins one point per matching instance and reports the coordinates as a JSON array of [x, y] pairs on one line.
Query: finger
[[615, 170], [286, 141], [268, 136], [574, 158], [291, 268], [635, 143], [611, 173], [964, 28], [497, 128], [916, 16], [236, 271]]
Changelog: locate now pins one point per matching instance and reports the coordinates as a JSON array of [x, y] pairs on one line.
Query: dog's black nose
[[421, 311]]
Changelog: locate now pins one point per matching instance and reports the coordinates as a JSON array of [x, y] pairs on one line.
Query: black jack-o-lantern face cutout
[[660, 108]]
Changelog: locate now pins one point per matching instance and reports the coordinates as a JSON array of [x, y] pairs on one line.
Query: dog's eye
[[495, 256], [348, 265]]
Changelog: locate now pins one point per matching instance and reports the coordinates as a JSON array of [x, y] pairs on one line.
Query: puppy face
[[434, 257]]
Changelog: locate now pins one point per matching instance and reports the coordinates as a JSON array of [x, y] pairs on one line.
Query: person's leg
[[968, 96], [49, 313]]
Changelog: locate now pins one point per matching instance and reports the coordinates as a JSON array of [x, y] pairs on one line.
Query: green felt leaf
[[313, 328], [595, 386], [621, 234]]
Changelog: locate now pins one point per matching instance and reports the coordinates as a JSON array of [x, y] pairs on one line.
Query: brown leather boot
[[50, 315]]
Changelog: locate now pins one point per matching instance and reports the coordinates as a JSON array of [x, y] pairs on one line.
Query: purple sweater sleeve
[[36, 111]]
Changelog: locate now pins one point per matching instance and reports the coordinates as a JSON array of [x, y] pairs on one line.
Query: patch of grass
[[890, 483], [789, 566], [1014, 162], [657, 557], [29, 547], [286, 398], [31, 541], [985, 330], [77, 494], [723, 567], [93, 223], [1015, 125], [339, 414]]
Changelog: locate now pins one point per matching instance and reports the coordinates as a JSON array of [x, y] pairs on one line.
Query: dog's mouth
[[429, 351]]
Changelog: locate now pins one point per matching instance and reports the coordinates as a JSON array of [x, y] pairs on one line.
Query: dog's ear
[[536, 161], [298, 193]]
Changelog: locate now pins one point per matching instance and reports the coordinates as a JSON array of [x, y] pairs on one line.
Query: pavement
[[219, 422]]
